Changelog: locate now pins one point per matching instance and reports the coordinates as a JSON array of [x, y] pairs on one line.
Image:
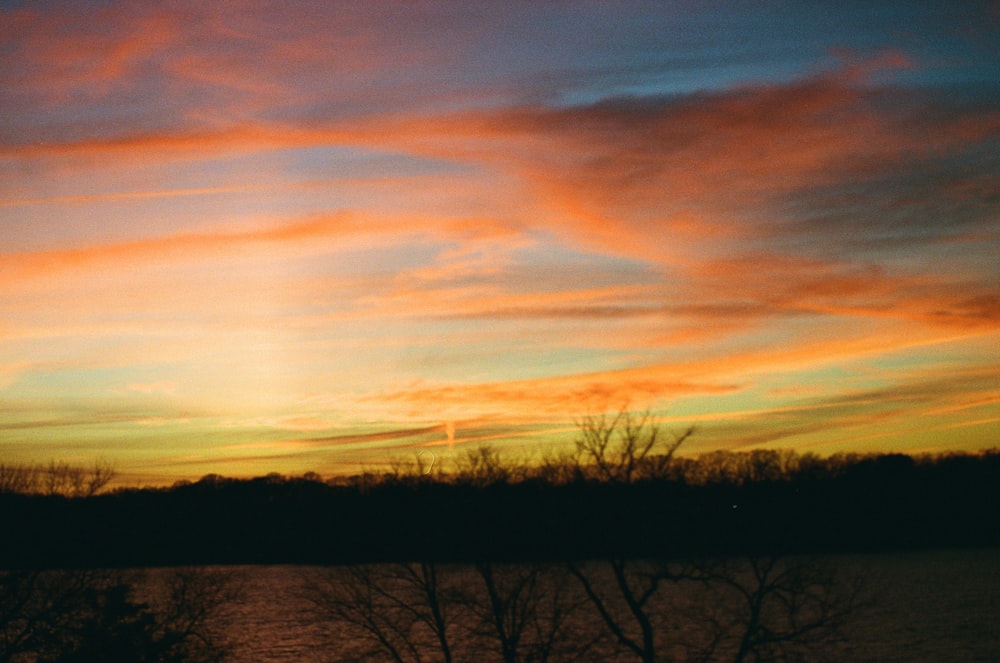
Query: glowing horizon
[[246, 239]]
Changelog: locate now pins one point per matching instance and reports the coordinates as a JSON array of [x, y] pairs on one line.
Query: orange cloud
[[73, 52], [653, 384], [181, 144], [16, 267], [546, 399], [131, 195]]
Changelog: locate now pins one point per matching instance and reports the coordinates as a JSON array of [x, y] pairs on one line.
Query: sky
[[252, 237]]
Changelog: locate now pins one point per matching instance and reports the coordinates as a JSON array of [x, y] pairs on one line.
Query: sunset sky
[[244, 237]]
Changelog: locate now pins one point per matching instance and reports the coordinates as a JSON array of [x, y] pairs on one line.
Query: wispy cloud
[[497, 215], [129, 195]]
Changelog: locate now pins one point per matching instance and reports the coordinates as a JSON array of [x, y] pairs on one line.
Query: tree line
[[623, 491]]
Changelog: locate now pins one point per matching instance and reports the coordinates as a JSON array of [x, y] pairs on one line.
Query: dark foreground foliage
[[82, 615]]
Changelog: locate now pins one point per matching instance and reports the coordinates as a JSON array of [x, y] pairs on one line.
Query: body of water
[[920, 607]]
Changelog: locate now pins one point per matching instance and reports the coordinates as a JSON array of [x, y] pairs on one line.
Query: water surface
[[924, 607]]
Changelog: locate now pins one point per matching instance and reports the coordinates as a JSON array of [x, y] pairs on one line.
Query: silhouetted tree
[[776, 610], [767, 608], [56, 478], [86, 615], [407, 613], [483, 466], [402, 610], [625, 447], [527, 611], [739, 610], [37, 608], [19, 479], [626, 596]]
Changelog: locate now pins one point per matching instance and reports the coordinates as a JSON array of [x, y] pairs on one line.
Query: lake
[[923, 607]]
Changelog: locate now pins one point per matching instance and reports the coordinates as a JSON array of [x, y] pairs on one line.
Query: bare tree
[[528, 611], [401, 609], [412, 613], [755, 609], [484, 465], [36, 609], [738, 610], [18, 478], [192, 599], [628, 596], [56, 478], [741, 610], [625, 447], [769, 608]]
